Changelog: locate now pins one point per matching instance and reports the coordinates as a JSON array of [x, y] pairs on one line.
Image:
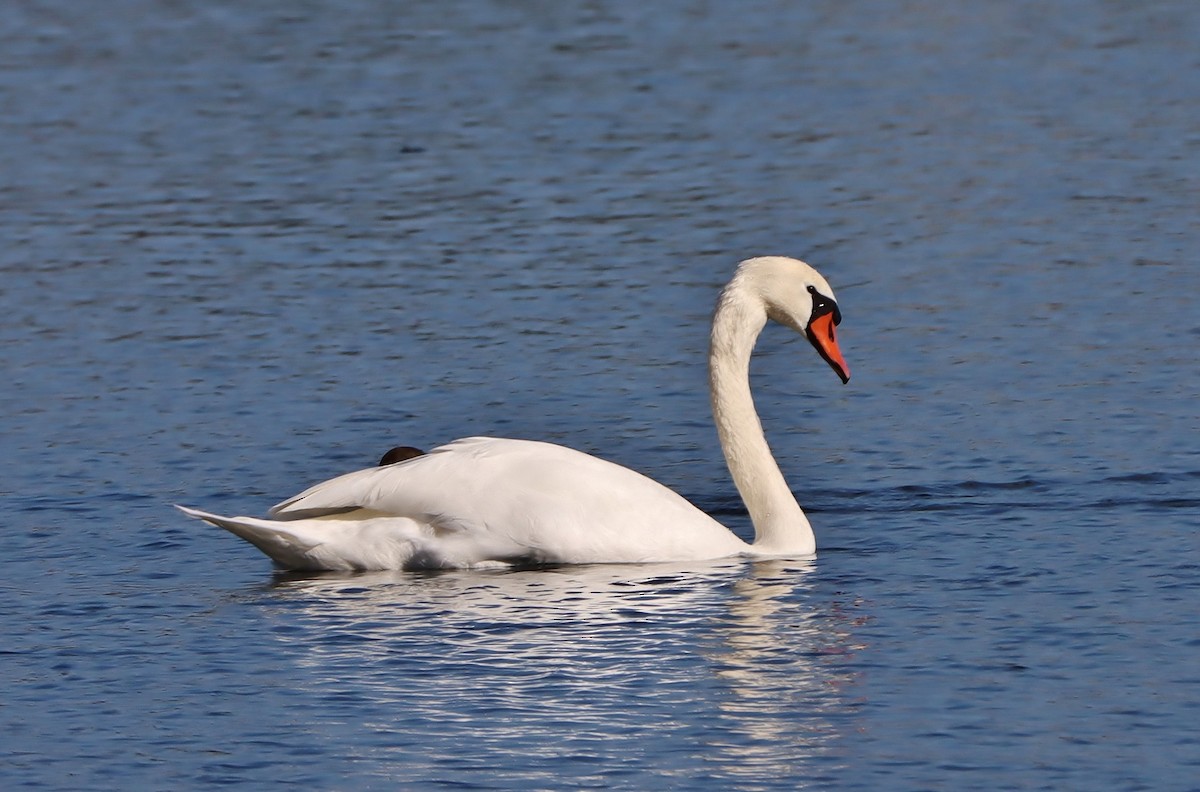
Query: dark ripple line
[[964, 496]]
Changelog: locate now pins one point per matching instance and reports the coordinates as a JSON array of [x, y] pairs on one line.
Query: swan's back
[[482, 498]]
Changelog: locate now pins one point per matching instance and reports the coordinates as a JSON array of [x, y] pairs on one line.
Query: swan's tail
[[276, 539]]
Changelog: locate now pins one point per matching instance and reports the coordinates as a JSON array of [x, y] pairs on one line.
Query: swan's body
[[485, 501]]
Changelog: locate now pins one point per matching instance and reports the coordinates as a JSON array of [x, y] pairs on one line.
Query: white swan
[[485, 501]]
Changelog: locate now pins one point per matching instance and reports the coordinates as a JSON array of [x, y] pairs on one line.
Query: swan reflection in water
[[735, 665], [789, 668]]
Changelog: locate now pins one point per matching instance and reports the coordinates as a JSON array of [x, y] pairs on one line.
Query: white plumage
[[485, 501]]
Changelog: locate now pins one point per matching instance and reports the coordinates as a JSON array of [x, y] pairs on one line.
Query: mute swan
[[484, 501]]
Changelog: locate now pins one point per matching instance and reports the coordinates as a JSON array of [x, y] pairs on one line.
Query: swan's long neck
[[780, 526]]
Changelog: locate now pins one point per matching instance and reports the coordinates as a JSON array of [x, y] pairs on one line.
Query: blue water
[[250, 246]]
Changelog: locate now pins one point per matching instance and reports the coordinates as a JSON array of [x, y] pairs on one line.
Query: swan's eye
[[823, 305]]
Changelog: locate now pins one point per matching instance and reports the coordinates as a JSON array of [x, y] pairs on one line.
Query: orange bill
[[821, 334]]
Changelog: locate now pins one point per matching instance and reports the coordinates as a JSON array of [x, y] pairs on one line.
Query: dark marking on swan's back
[[400, 454]]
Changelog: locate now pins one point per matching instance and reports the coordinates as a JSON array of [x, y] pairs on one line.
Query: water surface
[[247, 248]]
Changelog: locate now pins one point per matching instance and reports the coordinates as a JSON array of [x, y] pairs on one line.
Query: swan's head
[[797, 296]]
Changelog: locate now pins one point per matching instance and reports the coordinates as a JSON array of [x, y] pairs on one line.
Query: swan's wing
[[557, 503], [410, 488], [350, 541]]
